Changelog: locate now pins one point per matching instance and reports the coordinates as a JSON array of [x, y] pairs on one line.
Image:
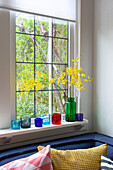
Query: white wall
[[103, 67], [86, 57], [5, 118]]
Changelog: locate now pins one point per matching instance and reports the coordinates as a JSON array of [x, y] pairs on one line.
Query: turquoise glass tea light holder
[[15, 124], [46, 119]]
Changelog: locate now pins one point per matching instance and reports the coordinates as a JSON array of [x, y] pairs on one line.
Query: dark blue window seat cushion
[[84, 141]]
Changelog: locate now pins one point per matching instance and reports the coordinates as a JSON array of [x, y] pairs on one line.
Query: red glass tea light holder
[[56, 119]]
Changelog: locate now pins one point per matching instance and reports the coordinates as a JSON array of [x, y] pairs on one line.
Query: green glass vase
[[70, 109]]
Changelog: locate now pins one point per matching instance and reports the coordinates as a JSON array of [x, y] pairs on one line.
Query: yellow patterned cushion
[[79, 159]]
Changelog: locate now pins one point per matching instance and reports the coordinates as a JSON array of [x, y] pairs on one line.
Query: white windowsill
[[45, 127]]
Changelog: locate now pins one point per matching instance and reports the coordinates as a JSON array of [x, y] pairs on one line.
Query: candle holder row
[[25, 122]]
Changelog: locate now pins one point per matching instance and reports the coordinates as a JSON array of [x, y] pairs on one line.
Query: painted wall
[[86, 57], [103, 67]]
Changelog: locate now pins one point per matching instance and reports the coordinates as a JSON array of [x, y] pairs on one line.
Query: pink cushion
[[40, 160]]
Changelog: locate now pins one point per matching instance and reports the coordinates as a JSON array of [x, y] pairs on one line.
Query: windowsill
[[45, 127], [13, 138]]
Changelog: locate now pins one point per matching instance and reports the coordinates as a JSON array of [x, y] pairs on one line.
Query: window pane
[[24, 23], [25, 104], [59, 50], [43, 68], [24, 48], [41, 49], [57, 70], [41, 26], [42, 102], [59, 28], [24, 72], [59, 99]]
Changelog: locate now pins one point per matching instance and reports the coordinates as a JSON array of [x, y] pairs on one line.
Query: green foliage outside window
[[32, 43]]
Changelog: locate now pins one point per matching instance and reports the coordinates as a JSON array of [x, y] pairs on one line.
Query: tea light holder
[[38, 122], [25, 122], [63, 117], [15, 124], [46, 119], [79, 116], [56, 118]]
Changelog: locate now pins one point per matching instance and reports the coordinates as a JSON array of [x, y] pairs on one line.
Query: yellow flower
[[64, 73], [75, 63], [77, 58], [61, 77], [76, 77], [83, 75], [67, 69], [63, 82], [81, 69], [26, 92], [39, 74], [73, 81], [88, 77], [86, 80], [22, 94], [52, 80], [30, 86], [73, 60], [28, 89], [89, 80], [79, 78], [80, 88]]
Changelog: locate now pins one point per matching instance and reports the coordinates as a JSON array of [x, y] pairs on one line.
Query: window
[[41, 46], [32, 58]]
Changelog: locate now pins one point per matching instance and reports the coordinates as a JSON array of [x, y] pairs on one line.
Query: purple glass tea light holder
[[79, 116]]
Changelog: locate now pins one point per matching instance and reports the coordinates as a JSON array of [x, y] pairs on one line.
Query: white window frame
[[7, 85]]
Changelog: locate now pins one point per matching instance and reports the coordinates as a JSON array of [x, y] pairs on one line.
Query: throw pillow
[[106, 163], [79, 159], [40, 160]]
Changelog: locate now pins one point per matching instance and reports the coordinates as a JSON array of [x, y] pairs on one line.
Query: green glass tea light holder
[[70, 110]]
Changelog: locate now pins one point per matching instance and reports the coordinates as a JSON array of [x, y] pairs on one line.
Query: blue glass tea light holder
[[46, 119], [38, 122], [79, 116], [25, 122], [15, 124]]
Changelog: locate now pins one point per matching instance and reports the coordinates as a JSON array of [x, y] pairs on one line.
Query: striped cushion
[[106, 163]]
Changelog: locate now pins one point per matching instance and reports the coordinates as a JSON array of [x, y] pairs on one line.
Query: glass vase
[[70, 109]]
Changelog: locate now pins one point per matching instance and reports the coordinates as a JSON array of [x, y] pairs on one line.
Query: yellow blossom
[[72, 81], [81, 69], [61, 77], [86, 80], [52, 80], [76, 77], [67, 69], [80, 88], [39, 74], [83, 75], [26, 92], [75, 63], [64, 73], [89, 80], [73, 60], [79, 78], [88, 77], [63, 82]]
